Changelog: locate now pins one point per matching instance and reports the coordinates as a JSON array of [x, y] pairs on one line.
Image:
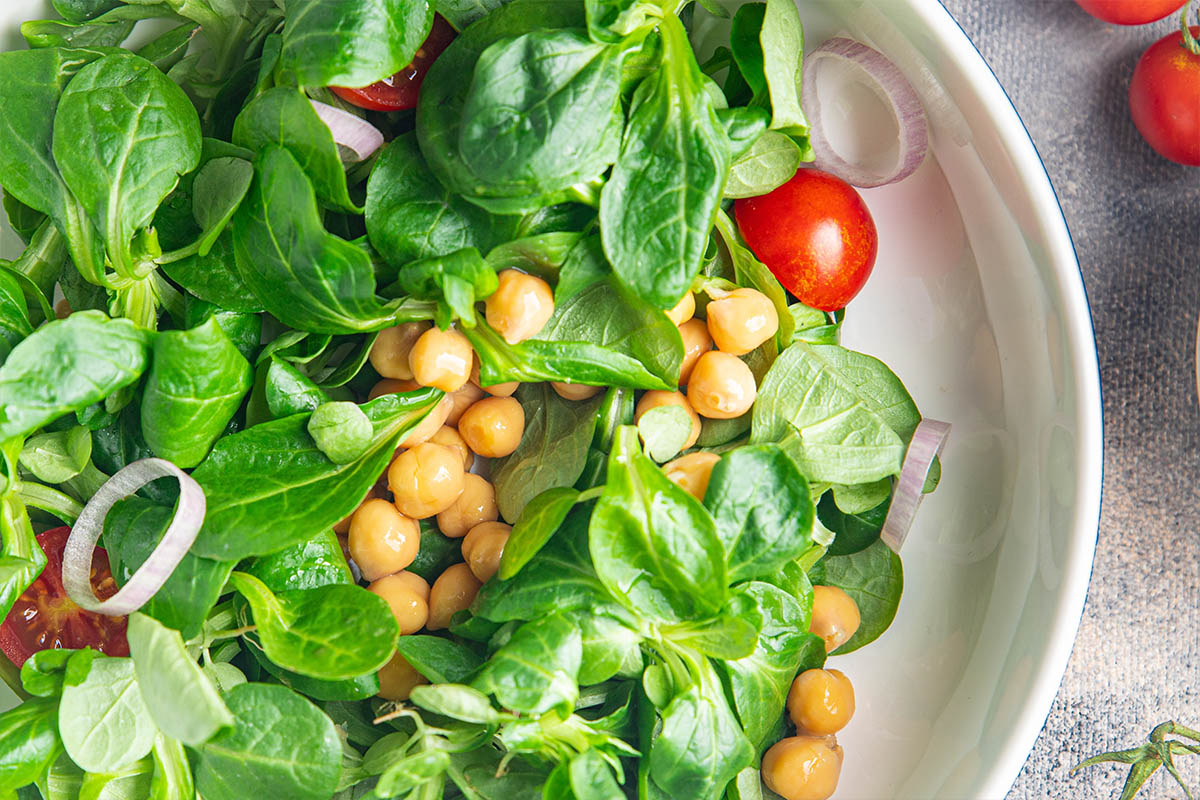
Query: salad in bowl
[[413, 400]]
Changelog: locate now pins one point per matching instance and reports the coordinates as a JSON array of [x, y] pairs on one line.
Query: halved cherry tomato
[[1130, 12], [44, 618], [816, 234], [1164, 98], [400, 91]]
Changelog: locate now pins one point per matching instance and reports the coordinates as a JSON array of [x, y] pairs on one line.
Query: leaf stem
[[50, 500]]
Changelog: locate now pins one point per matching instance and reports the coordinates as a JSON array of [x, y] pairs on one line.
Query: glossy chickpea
[[480, 532], [476, 504], [505, 389], [834, 616], [656, 398], [433, 422], [696, 342], [382, 540], [485, 548], [441, 359], [741, 321], [520, 306], [493, 427], [575, 391], [684, 310], [460, 401], [821, 701], [409, 606], [721, 386], [450, 437], [415, 582], [397, 679], [692, 472], [343, 527], [426, 480], [389, 354], [453, 591], [803, 768]]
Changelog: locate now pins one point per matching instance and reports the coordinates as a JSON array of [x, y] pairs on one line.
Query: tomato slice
[[815, 234], [44, 618], [401, 90]]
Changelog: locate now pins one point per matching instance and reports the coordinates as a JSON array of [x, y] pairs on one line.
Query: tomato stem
[[1189, 41]]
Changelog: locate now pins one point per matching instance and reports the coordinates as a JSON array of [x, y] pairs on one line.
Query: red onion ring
[[154, 572], [890, 85], [353, 135], [926, 445]]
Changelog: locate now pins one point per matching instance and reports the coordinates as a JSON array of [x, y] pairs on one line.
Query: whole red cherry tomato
[[1130, 12], [1164, 98], [400, 91], [44, 618], [816, 234]]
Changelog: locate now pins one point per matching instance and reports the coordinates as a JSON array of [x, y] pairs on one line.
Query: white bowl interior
[[977, 304]]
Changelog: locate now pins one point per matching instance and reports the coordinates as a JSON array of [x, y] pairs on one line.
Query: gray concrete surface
[[1136, 222]]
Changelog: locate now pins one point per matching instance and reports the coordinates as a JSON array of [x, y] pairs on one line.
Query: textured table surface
[[1136, 222]]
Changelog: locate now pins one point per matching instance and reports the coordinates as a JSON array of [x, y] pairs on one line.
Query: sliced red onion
[[926, 445], [888, 83], [356, 138], [149, 578]]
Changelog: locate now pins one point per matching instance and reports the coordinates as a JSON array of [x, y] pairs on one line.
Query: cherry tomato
[[1164, 98], [1130, 12], [400, 91], [816, 234], [44, 618]]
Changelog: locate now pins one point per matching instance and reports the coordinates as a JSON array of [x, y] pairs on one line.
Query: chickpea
[[692, 472], [575, 391], [520, 306], [382, 540], [415, 582], [721, 386], [485, 548], [481, 531], [505, 389], [463, 399], [392, 386], [656, 398], [476, 504], [62, 308], [343, 527], [453, 591], [426, 480], [424, 430], [834, 616], [684, 310], [409, 607], [442, 359], [493, 427], [389, 354], [449, 437], [803, 768], [696, 342], [741, 321], [821, 701], [397, 679]]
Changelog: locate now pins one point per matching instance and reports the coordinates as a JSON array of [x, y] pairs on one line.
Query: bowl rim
[[1001, 112]]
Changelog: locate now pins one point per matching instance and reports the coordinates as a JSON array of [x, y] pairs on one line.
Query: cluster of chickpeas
[[430, 475], [820, 703], [718, 384]]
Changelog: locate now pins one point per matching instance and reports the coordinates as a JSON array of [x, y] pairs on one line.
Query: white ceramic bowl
[[978, 305]]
